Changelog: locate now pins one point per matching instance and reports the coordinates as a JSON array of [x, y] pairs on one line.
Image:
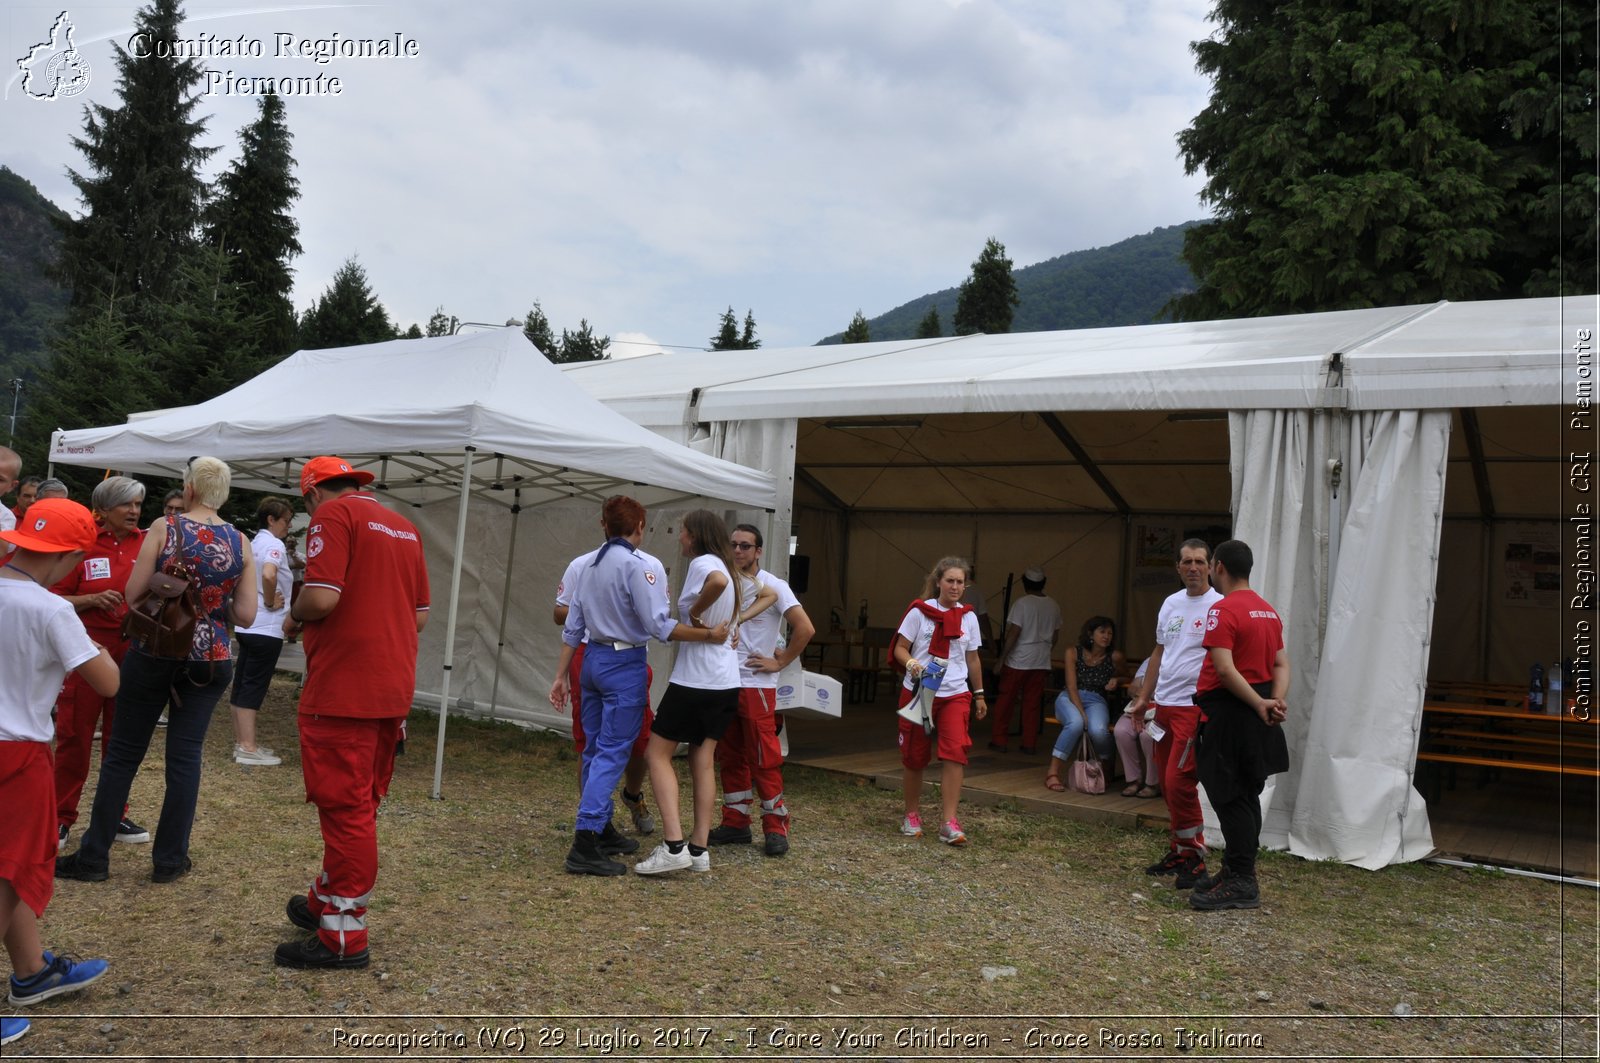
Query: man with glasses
[[749, 752], [172, 506]]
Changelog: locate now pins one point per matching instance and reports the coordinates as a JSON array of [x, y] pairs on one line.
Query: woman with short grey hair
[[96, 589]]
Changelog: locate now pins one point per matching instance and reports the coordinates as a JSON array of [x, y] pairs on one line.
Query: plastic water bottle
[[1536, 688], [1553, 701]]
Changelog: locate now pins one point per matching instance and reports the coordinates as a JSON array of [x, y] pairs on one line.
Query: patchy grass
[[855, 934]]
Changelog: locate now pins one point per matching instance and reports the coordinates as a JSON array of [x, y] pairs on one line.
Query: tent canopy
[[409, 410]]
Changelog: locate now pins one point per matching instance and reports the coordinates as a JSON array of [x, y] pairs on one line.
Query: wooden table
[[1501, 737]]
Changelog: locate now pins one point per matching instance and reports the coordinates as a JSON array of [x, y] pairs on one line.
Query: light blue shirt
[[622, 598]]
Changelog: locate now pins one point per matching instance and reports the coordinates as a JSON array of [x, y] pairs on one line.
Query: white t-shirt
[[1180, 631], [1039, 618], [44, 641], [8, 522], [706, 665], [759, 634], [918, 631], [269, 549]]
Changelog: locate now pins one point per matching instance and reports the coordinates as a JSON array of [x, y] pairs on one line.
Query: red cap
[[328, 467], [54, 526]]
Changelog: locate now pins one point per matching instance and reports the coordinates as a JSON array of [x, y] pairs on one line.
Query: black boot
[[614, 843], [585, 857]]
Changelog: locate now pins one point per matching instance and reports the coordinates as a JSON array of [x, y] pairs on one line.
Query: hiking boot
[[72, 866], [130, 832], [726, 835], [701, 861], [612, 842], [1234, 891], [585, 857], [299, 912], [1190, 872], [663, 859], [12, 1027], [643, 822], [911, 826], [776, 845], [60, 974], [309, 953], [261, 756], [172, 874], [1206, 882], [1167, 865], [952, 834]]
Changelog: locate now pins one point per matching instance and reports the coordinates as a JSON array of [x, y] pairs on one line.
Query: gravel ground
[[1041, 938]]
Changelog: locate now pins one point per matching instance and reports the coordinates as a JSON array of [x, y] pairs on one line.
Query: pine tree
[[537, 328], [346, 314], [141, 189], [582, 345], [930, 327], [747, 339], [250, 219], [988, 296], [858, 330], [1392, 152], [727, 337], [439, 324]]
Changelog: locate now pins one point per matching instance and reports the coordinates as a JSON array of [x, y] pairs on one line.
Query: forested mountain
[[1126, 283], [31, 303]]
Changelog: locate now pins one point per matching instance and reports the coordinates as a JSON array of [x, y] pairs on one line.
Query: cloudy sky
[[646, 163]]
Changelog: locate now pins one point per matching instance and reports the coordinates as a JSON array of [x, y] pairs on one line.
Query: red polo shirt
[[106, 567], [361, 659], [1244, 623]]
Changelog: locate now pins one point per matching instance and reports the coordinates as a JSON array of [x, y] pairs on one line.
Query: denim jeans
[[149, 685], [1094, 705]]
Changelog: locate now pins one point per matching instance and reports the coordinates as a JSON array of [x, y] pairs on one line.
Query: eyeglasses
[[745, 546]]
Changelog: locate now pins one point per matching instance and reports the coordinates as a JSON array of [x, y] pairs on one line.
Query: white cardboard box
[[809, 696]]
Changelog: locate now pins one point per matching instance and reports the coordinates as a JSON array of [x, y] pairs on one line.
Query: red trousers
[[1028, 684], [347, 764], [751, 757], [1177, 765], [78, 709]]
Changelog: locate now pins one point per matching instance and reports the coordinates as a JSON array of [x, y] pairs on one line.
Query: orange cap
[[328, 467], [54, 526]]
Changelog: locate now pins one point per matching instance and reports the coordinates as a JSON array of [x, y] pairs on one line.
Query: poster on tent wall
[[1154, 550], [1532, 572]]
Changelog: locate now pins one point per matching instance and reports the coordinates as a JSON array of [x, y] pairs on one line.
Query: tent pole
[[505, 604], [450, 623]]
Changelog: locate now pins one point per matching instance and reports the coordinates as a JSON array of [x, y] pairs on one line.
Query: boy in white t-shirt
[[44, 641]]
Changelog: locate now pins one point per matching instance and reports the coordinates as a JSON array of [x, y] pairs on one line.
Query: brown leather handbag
[[162, 620]]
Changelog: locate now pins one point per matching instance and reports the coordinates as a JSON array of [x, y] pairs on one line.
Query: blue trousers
[[1094, 706], [149, 685], [616, 691]]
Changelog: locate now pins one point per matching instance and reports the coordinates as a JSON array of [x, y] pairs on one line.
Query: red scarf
[[946, 625]]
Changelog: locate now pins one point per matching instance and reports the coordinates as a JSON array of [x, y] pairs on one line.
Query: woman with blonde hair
[[939, 627], [214, 557]]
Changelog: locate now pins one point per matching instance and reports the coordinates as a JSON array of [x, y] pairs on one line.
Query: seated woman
[[1134, 745], [1091, 669]]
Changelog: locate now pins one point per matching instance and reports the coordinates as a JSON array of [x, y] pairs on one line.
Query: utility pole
[[16, 393]]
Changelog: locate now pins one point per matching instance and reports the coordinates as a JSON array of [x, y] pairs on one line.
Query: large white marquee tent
[[1337, 448]]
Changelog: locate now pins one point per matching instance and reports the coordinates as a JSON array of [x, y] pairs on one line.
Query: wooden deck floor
[[1542, 824]]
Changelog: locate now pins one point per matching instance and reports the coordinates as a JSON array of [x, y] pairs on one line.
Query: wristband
[[977, 693]]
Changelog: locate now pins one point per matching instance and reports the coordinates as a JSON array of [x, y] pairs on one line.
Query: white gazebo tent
[[475, 416]]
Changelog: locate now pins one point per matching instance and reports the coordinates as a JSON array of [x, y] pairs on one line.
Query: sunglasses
[[745, 546]]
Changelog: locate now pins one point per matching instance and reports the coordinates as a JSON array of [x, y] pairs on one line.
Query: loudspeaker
[[799, 573]]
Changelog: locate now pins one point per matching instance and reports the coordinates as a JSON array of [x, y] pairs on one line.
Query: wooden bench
[[1484, 725]]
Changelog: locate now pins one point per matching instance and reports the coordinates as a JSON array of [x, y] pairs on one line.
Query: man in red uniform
[[1241, 691], [365, 600]]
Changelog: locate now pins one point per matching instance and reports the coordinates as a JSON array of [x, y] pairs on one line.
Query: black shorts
[[692, 715], [252, 672]]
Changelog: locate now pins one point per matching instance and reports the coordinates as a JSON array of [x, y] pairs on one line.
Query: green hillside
[[30, 302], [1126, 283]]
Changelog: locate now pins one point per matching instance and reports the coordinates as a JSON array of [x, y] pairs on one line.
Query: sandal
[[1147, 791], [1131, 790], [1053, 782]]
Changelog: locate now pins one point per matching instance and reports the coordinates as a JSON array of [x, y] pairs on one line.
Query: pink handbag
[[1085, 774]]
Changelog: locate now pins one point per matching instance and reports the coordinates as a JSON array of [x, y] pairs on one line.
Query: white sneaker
[[701, 863], [911, 826], [262, 757], [663, 860], [952, 834], [268, 750]]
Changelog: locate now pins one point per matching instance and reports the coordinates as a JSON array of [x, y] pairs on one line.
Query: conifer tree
[[346, 314], [858, 331], [930, 327], [988, 296], [537, 328], [582, 345]]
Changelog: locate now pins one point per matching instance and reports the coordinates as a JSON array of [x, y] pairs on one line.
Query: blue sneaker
[[12, 1027], [60, 975]]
